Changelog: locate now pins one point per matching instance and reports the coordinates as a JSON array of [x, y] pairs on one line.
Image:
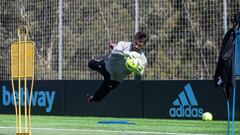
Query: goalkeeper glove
[[131, 54], [139, 68]]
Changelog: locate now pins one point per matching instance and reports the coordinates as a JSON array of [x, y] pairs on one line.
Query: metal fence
[[185, 35]]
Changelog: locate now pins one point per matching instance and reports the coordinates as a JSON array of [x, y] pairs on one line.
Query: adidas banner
[[184, 100]]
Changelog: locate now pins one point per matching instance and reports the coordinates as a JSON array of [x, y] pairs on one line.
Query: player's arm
[[138, 75], [142, 72], [120, 49], [142, 67], [112, 45]]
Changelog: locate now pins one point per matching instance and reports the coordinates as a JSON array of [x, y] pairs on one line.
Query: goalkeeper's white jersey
[[115, 63]]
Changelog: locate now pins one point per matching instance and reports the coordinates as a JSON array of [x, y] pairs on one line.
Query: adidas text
[[186, 111]]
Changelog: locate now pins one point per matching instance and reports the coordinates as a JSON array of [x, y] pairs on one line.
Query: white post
[[60, 14], [225, 15], [136, 16], [136, 77]]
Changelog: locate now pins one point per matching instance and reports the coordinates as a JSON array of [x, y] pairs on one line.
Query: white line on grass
[[106, 131]]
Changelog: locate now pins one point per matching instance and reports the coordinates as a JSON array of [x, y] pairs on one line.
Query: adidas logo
[[186, 105]]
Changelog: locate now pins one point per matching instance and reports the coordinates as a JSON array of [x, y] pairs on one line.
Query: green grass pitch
[[61, 125]]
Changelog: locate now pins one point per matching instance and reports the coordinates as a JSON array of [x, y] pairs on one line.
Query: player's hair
[[141, 35]]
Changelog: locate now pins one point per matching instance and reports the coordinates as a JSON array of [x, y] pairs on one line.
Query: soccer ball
[[131, 63], [207, 116], [134, 62]]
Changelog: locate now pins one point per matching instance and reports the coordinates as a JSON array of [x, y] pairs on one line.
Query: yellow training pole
[[25, 86], [19, 84], [22, 70], [15, 105]]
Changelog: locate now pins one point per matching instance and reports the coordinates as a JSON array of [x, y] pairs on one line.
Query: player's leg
[[104, 90], [98, 64], [107, 85]]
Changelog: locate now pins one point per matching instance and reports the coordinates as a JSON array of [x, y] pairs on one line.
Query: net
[[185, 36]]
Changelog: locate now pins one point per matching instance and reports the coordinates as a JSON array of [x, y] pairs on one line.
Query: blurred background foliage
[[185, 35]]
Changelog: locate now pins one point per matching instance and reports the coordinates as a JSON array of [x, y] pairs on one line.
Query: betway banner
[[150, 99], [47, 97]]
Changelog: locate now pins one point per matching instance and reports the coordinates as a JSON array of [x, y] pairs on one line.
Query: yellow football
[[207, 116]]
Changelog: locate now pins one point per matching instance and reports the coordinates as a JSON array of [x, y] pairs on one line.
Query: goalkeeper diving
[[124, 59]]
